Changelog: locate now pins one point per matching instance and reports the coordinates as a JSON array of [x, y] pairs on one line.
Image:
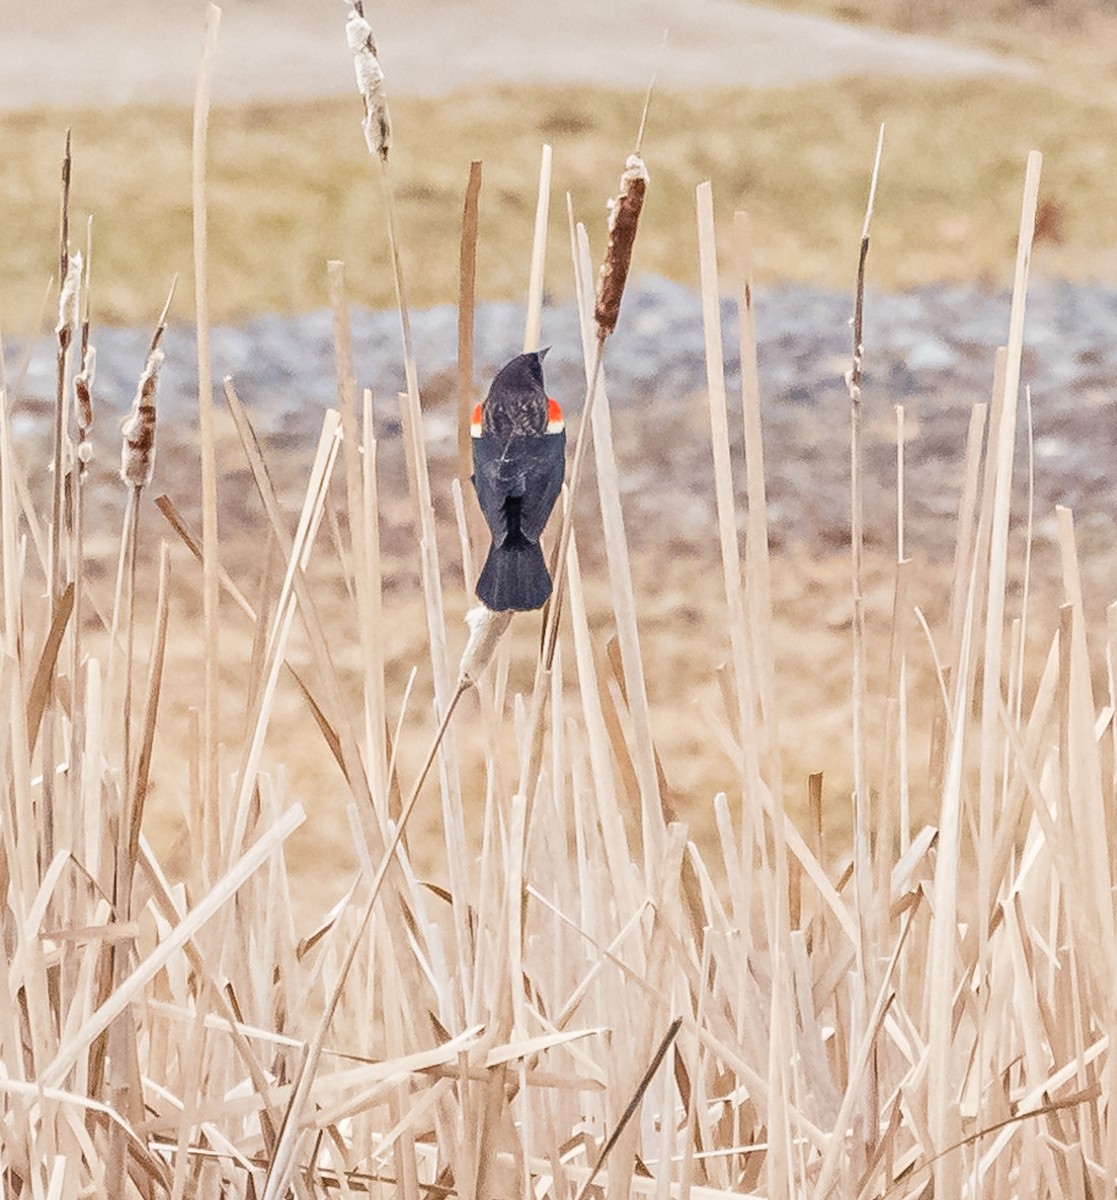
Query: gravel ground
[[931, 350]]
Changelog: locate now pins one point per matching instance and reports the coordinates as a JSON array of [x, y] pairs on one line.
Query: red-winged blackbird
[[519, 456]]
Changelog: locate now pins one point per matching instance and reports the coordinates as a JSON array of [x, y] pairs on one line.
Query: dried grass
[[593, 1005], [297, 176]]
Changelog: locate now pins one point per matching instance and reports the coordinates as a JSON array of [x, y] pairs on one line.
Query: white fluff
[[370, 83], [69, 299], [485, 629], [634, 168]]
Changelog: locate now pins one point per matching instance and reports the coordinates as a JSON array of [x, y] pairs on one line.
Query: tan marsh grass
[[585, 1001]]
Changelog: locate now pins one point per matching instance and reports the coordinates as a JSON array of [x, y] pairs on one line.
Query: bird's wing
[[544, 466], [494, 481]]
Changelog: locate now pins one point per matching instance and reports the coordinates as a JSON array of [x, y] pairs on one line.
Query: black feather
[[518, 469], [514, 578]]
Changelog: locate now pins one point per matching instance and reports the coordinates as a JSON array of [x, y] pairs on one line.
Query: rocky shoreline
[[930, 349]]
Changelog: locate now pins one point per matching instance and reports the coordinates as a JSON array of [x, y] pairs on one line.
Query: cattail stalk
[[624, 216], [862, 802], [82, 453], [83, 447], [370, 83], [211, 592], [377, 127], [137, 463], [136, 466], [69, 280]]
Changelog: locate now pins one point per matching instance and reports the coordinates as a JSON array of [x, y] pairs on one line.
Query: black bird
[[519, 457]]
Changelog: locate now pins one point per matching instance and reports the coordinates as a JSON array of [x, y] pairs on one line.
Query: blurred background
[[778, 105]]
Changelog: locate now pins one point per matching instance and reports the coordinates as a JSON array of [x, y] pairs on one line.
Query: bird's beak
[[543, 353]]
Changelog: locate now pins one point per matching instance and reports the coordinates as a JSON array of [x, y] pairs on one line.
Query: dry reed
[[506, 1034]]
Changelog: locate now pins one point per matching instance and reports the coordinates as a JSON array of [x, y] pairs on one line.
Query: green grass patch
[[291, 186]]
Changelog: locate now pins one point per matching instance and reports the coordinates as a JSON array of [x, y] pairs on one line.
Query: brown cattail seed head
[[370, 83], [83, 391], [137, 454], [624, 214], [485, 629]]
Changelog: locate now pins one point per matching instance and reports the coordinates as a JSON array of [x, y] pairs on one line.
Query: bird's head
[[517, 399]]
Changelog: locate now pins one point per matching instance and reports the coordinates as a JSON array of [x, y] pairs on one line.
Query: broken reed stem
[[902, 777], [1001, 455], [358, 446], [467, 301], [1026, 574], [294, 590], [862, 802], [211, 595], [566, 529], [129, 542], [758, 581], [633, 1104], [533, 322], [410, 372], [474, 525], [284, 1161]]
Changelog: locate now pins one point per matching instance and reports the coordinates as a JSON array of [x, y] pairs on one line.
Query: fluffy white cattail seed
[[68, 301], [370, 83], [485, 629]]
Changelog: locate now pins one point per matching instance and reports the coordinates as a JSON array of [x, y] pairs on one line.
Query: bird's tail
[[514, 577]]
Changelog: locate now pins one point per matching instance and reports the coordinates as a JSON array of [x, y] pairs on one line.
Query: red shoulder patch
[[555, 423], [475, 421]]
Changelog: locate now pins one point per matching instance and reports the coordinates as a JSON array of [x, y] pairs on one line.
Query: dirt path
[[93, 52]]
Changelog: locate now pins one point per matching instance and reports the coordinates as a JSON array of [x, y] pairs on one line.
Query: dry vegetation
[[555, 988], [990, 20], [291, 177]]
